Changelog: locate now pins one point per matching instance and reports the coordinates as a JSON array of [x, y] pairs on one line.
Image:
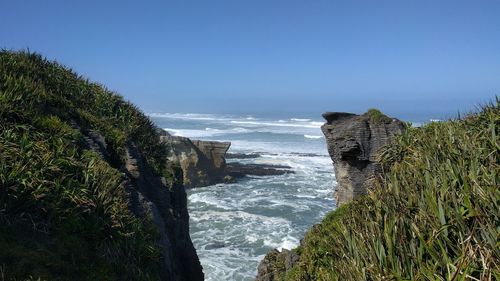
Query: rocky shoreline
[[353, 142], [204, 163]]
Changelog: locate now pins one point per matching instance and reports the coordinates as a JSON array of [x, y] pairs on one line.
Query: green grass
[[63, 210], [435, 215], [377, 116]]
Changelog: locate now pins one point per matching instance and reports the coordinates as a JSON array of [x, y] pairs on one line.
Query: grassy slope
[[435, 216], [63, 210]]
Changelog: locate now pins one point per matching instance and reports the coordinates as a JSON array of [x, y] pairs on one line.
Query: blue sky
[[407, 57]]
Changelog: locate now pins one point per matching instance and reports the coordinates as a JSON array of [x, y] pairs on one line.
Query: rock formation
[[276, 263], [353, 143], [151, 197], [202, 162], [87, 192], [239, 170]]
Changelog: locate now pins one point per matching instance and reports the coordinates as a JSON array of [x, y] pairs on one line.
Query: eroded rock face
[[150, 196], [202, 162], [354, 143], [275, 263]]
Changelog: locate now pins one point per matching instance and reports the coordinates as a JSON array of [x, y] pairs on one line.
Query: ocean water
[[234, 225]]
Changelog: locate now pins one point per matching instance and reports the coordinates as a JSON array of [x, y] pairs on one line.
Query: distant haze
[[412, 59]]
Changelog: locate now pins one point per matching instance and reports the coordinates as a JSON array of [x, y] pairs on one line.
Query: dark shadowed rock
[[242, 155], [239, 170], [354, 143], [215, 245], [150, 197], [276, 263]]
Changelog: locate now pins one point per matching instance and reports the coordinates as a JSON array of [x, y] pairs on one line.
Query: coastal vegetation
[[377, 116], [433, 216], [64, 211]]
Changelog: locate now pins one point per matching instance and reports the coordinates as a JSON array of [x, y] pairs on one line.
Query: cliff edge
[[433, 215], [86, 189], [354, 143]]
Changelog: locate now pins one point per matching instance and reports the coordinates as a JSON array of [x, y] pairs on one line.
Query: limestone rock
[[276, 263], [354, 143], [167, 207], [202, 162], [151, 198]]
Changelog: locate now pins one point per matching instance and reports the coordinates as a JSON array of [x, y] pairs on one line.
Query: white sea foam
[[188, 116], [289, 243], [233, 226], [279, 124], [305, 196], [312, 137], [263, 147], [318, 124], [207, 132], [249, 120]]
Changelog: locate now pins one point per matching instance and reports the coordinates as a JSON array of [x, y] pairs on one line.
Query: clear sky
[[407, 57]]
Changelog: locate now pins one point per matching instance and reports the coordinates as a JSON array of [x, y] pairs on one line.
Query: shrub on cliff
[[434, 216], [63, 210], [376, 116]]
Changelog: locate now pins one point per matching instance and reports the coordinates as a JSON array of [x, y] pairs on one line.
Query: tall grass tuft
[[434, 216], [63, 210]]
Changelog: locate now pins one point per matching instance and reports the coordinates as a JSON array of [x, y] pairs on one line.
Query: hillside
[[86, 192], [434, 215]]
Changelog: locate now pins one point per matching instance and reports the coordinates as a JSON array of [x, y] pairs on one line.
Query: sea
[[234, 225]]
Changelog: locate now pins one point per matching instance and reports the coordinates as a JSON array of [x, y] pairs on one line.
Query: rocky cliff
[[353, 143], [417, 223], [275, 264], [86, 189], [202, 162], [152, 197]]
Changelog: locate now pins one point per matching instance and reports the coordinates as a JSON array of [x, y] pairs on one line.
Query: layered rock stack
[[202, 162], [354, 143]]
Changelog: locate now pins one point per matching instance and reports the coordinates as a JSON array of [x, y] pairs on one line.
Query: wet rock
[[215, 245], [276, 263], [242, 155], [239, 170]]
